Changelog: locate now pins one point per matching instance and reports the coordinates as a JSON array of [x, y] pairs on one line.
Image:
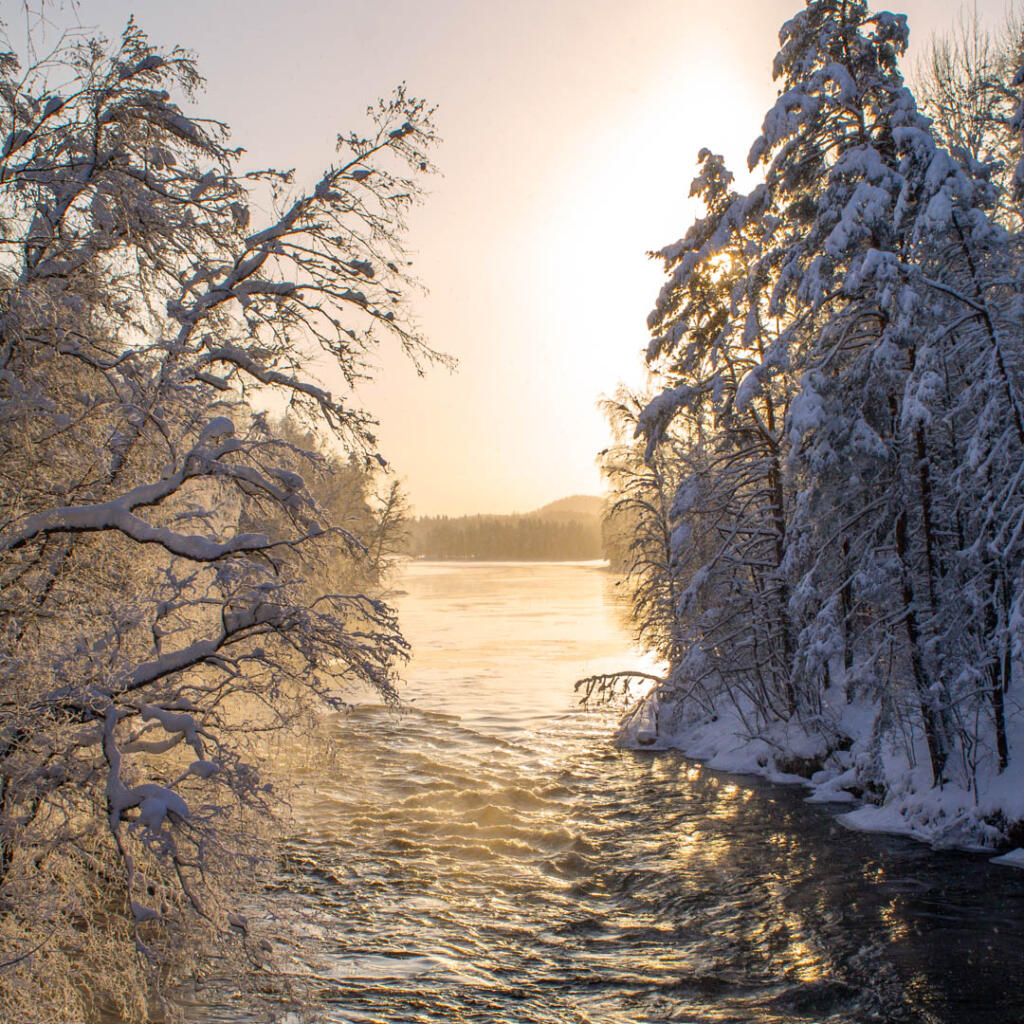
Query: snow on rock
[[945, 819], [849, 772], [203, 769], [1013, 859], [141, 913], [646, 726]]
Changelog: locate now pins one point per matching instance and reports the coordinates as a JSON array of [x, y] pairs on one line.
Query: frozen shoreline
[[950, 818]]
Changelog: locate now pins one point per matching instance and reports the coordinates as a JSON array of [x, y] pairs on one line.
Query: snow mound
[[1013, 859], [890, 793]]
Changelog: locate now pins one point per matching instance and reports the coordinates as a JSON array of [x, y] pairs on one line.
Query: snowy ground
[[907, 804]]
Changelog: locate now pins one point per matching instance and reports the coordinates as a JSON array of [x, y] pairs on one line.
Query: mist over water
[[488, 856]]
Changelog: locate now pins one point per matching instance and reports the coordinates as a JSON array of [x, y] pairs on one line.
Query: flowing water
[[487, 855]]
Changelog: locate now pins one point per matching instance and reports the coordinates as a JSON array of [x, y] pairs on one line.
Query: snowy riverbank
[[871, 772]]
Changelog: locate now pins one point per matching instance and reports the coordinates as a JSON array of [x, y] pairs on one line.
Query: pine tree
[[845, 342]]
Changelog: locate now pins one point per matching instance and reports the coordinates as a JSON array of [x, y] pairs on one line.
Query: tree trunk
[[931, 718], [1000, 665]]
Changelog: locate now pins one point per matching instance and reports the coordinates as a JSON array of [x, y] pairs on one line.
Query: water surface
[[488, 856]]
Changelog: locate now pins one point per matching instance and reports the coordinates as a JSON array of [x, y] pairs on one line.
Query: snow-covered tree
[[844, 347], [717, 347], [965, 84], [153, 635], [640, 521], [897, 223]]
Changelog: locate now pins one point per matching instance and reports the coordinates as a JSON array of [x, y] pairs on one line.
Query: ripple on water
[[488, 857], [644, 891]]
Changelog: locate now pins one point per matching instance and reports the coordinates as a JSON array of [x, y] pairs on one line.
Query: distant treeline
[[506, 538]]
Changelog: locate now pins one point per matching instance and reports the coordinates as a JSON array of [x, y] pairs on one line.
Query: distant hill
[[566, 530], [579, 507]]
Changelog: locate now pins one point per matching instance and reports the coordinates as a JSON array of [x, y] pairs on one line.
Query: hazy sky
[[570, 128]]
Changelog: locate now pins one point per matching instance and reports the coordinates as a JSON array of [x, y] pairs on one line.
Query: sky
[[571, 130]]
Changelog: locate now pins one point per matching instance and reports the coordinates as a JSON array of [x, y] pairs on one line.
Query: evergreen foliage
[[527, 538], [839, 361]]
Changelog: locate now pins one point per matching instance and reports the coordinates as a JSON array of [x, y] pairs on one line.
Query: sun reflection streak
[[893, 919]]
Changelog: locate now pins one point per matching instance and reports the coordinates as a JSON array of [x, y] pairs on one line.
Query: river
[[487, 855]]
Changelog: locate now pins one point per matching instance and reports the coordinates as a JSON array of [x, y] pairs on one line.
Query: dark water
[[488, 856]]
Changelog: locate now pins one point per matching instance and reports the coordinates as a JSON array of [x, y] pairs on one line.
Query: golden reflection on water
[[730, 798], [806, 961], [874, 873], [491, 844], [892, 916]]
